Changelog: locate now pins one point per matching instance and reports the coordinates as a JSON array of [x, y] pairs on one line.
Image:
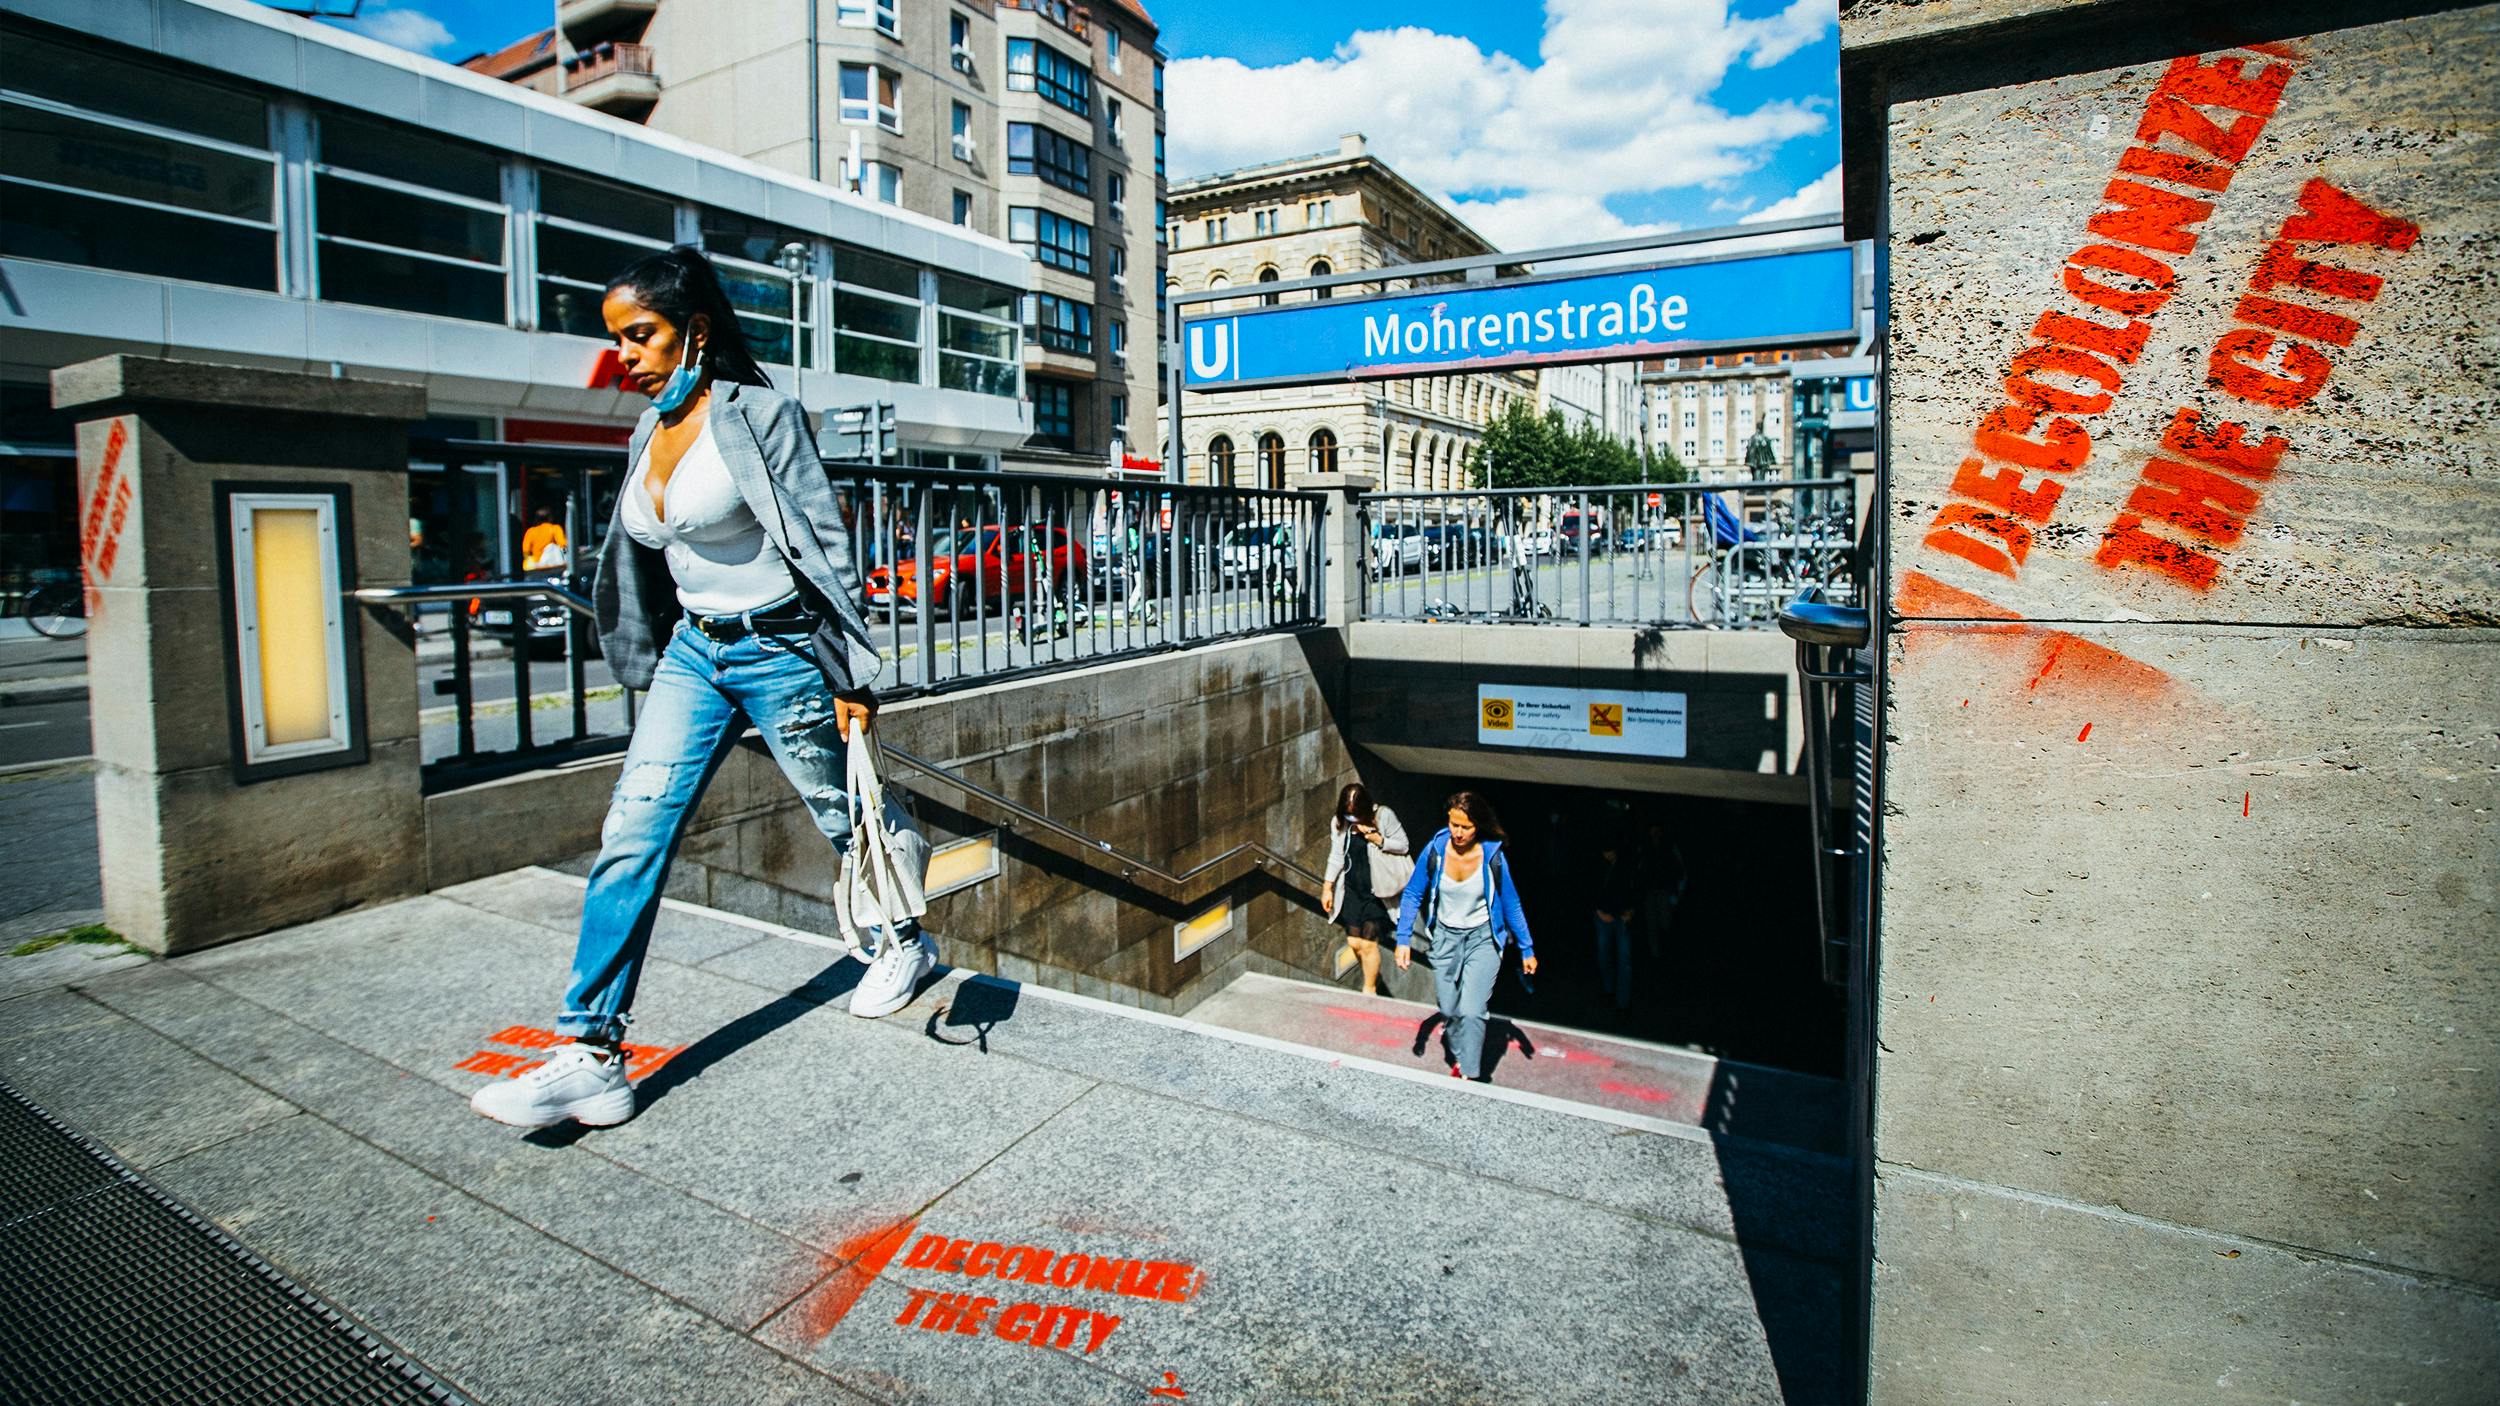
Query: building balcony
[[613, 78], [599, 16], [1066, 14]]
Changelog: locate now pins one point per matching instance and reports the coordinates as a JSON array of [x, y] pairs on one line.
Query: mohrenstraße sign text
[[1790, 297]]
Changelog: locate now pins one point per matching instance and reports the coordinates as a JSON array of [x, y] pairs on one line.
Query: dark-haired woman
[[1462, 894], [1367, 863], [728, 593]]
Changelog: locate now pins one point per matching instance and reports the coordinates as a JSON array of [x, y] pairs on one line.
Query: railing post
[[255, 730], [1341, 545]]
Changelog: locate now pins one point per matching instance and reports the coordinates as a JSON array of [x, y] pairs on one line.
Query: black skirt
[[1357, 905]]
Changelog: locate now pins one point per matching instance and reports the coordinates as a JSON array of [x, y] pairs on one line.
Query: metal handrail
[[483, 590], [1821, 629], [1187, 887], [1751, 485]]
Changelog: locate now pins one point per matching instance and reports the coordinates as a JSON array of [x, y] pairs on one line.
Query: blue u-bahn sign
[[1789, 297]]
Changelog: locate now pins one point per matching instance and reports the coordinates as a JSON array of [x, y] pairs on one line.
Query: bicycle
[[56, 610]]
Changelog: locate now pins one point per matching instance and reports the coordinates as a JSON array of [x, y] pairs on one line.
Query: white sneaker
[[895, 977], [577, 1081]]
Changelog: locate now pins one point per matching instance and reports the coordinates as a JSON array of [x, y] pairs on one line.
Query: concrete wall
[[1411, 700], [2185, 1006]]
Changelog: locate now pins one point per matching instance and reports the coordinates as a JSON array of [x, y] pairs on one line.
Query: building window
[[133, 168], [1054, 412], [880, 180], [868, 14], [1119, 267], [1042, 151], [408, 220], [748, 253], [1268, 300], [962, 126], [1060, 324], [1691, 450], [1158, 154], [1271, 460], [1038, 68], [587, 230], [1319, 267], [1220, 460], [869, 95], [959, 42], [1111, 118], [1217, 227], [1317, 212], [963, 207], [1052, 238], [1158, 84], [1118, 193], [1111, 47], [1171, 234], [1119, 412], [1323, 451], [1119, 340], [1263, 222], [977, 348], [876, 316]]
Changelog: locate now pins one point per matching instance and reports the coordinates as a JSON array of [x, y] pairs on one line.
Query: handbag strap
[[871, 861]]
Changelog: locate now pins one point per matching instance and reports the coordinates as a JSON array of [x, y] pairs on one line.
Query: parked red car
[[1006, 563]]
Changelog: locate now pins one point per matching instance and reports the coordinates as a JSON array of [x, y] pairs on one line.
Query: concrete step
[[1663, 1082]]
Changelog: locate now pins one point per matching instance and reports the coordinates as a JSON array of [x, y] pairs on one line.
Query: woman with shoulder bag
[[1367, 865], [727, 593], [1462, 893]]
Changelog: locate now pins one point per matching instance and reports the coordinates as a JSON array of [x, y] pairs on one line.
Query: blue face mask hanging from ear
[[681, 383]]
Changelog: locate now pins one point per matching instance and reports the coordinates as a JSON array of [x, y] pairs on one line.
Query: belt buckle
[[706, 622]]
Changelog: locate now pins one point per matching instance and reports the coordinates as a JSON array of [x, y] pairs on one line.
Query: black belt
[[782, 617]]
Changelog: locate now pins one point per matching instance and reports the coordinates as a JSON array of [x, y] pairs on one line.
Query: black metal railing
[[1721, 555], [966, 577]]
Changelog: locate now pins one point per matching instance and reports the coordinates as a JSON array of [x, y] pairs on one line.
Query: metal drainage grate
[[110, 1291]]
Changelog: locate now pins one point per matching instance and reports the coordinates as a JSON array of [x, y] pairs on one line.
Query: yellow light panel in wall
[[962, 864], [291, 592], [293, 682], [1196, 932]]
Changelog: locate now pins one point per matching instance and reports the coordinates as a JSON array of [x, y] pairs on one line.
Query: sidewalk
[[1000, 1195]]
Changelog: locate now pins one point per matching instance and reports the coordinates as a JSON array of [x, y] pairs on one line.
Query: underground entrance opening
[[1722, 940]]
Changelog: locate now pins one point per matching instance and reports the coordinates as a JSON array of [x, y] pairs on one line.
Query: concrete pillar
[[1341, 535], [195, 850], [2185, 996]]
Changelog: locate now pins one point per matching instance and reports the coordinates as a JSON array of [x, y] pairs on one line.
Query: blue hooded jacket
[[1509, 923]]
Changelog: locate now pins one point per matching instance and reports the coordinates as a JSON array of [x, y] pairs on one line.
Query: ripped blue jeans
[[702, 695]]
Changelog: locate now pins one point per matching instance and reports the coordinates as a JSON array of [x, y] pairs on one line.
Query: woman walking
[[727, 592], [1461, 893], [1367, 863]]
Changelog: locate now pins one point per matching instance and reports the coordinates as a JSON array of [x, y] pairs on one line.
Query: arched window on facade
[[1414, 458], [1271, 460], [1323, 451], [1319, 267], [1268, 275], [1220, 461]]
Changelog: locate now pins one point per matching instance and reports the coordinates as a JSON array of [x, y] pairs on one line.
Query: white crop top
[[716, 550]]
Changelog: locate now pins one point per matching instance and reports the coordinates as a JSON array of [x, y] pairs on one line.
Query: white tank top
[[716, 550], [1464, 903]]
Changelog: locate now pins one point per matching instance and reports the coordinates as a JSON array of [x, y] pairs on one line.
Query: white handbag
[[885, 874]]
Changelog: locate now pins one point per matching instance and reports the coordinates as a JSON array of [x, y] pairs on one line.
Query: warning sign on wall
[[1626, 722]]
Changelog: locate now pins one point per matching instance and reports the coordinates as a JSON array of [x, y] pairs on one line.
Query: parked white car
[[1396, 547]]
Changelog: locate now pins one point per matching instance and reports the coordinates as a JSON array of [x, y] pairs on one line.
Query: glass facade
[[1052, 238], [1061, 324], [1034, 67], [1063, 161], [116, 161]]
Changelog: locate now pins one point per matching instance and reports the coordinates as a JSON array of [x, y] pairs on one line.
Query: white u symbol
[[1200, 365]]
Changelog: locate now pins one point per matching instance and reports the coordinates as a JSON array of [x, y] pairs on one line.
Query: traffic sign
[[1789, 297]]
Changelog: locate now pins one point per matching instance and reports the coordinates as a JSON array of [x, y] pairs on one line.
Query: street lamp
[[793, 261]]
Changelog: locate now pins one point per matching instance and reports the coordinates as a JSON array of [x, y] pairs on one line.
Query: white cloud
[[414, 30], [1818, 196], [1617, 102]]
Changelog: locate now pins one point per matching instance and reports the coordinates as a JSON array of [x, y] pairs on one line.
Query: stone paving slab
[[1349, 1232]]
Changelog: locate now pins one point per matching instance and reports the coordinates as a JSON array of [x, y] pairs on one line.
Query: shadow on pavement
[[979, 1004], [1797, 1293]]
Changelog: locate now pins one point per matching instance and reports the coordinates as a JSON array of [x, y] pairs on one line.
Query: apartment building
[[1706, 410], [1332, 212], [1605, 394], [1035, 121]]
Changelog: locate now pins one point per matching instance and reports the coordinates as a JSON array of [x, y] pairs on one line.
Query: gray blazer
[[764, 438]]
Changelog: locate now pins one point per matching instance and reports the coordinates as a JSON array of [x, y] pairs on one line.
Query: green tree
[[1523, 449]]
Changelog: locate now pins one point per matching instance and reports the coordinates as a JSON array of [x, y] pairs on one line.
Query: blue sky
[[1540, 122]]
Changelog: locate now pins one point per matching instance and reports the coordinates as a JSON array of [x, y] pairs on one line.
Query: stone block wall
[[2186, 995], [1173, 758]]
